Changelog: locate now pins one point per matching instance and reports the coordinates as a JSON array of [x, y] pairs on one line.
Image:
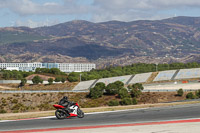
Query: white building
[[64, 67]]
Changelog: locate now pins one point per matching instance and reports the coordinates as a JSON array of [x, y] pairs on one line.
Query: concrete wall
[[188, 73], [84, 85], [165, 75], [107, 81], [140, 78]]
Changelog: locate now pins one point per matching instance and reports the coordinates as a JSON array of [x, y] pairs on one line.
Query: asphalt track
[[110, 118]]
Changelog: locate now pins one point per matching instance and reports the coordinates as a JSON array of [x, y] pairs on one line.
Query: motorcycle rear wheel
[[80, 113], [60, 114]]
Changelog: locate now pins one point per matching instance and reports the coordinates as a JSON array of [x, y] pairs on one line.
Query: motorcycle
[[73, 111]]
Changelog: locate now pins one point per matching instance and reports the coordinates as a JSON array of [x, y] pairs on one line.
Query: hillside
[[106, 43]]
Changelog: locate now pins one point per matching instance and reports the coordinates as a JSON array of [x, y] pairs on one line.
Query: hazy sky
[[34, 13]]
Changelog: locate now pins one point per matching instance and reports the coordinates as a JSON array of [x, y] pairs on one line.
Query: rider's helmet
[[65, 97]]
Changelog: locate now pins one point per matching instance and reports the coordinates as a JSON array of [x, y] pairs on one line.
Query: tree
[[197, 93], [113, 88], [190, 95], [23, 82], [138, 86], [96, 92], [50, 80], [57, 79], [63, 79], [73, 77], [55, 71], [6, 75], [123, 93], [37, 80], [135, 90], [180, 92], [101, 85], [135, 93]]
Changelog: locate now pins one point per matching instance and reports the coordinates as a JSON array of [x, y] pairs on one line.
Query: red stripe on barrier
[[102, 126]]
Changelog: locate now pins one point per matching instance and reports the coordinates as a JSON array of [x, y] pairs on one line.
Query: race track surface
[[121, 117]]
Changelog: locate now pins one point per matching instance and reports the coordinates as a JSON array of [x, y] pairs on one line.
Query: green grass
[[7, 37]]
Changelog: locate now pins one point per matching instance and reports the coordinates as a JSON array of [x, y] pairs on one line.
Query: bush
[[126, 101], [63, 79], [197, 93], [19, 107], [2, 111], [57, 79], [190, 95], [45, 106], [180, 92], [101, 85], [113, 103], [135, 92], [96, 92], [73, 77], [134, 100], [23, 82], [50, 80], [138, 86], [123, 93], [37, 80], [14, 101]]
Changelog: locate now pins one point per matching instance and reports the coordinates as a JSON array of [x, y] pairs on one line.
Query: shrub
[[2, 111], [50, 80], [23, 82], [14, 101], [138, 86], [37, 80], [123, 93], [197, 93], [96, 92], [134, 100], [180, 92], [126, 101], [190, 95], [63, 79], [135, 92], [101, 85], [19, 107], [113, 103], [45, 106], [57, 79]]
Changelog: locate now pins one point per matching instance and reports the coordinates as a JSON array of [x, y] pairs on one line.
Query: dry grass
[[59, 86]]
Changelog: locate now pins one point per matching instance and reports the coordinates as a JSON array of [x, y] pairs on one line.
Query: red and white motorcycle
[[73, 111]]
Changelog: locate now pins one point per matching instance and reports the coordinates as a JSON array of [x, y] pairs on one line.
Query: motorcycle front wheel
[[80, 113], [60, 114]]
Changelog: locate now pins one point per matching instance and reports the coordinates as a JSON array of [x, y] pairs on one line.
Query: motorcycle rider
[[65, 103]]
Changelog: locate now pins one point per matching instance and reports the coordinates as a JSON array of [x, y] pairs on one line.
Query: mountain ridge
[[173, 38]]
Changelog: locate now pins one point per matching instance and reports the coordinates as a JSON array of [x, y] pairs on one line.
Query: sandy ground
[[7, 88]]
